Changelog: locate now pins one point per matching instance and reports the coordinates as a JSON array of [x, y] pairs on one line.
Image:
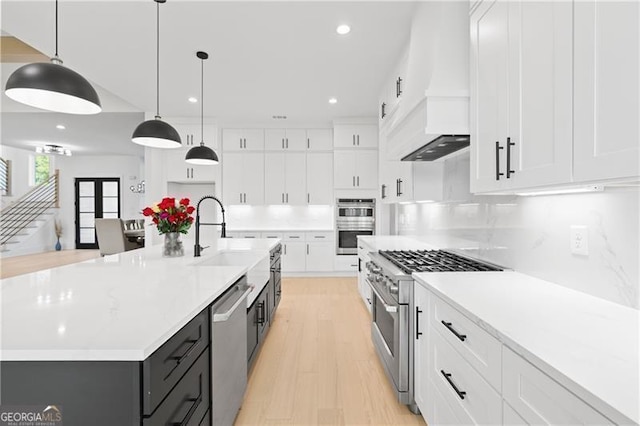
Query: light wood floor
[[317, 365], [18, 265]]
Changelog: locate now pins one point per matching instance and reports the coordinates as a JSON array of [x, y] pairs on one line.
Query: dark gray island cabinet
[[171, 386]]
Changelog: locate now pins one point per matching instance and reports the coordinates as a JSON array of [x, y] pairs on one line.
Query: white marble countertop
[[119, 308], [587, 344], [280, 229]]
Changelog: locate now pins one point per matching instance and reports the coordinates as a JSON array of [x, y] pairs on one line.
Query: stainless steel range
[[389, 276]]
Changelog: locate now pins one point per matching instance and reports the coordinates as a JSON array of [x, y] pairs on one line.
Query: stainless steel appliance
[[354, 216], [229, 353], [393, 319]]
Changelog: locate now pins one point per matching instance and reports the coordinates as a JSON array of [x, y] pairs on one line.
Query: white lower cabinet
[[319, 256], [463, 375], [363, 286], [461, 385], [539, 399], [294, 254], [346, 263]]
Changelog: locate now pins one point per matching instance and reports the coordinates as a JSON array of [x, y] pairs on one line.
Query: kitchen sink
[[233, 258]]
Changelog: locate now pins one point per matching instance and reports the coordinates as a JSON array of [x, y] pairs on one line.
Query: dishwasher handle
[[236, 300]]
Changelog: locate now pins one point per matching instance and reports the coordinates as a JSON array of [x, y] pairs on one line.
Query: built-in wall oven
[[354, 217]]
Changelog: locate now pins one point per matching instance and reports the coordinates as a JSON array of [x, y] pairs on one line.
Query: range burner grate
[[434, 261]]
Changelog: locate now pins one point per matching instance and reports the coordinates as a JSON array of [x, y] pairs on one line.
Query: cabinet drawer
[[188, 402], [272, 235], [166, 366], [294, 236], [479, 348], [449, 371], [320, 236], [538, 399]]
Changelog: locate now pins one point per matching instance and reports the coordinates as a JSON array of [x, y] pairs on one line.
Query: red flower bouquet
[[170, 216]]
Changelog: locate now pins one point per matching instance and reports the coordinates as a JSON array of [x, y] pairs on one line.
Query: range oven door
[[347, 241], [389, 332]]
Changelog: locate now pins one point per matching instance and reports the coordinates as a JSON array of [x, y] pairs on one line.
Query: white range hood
[[436, 100]]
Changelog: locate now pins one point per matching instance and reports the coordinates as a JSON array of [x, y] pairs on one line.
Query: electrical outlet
[[580, 240]]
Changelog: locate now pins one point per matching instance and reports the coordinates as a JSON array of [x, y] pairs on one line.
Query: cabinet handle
[[245, 198], [295, 236], [261, 315], [354, 180], [462, 337], [191, 412], [498, 148], [398, 87], [353, 137], [282, 143], [308, 144], [241, 198], [509, 145], [285, 249], [287, 143], [358, 180], [358, 140], [187, 173], [447, 376], [179, 359], [245, 143], [287, 197], [399, 187], [318, 236], [418, 332], [308, 198], [383, 190], [282, 197], [307, 249], [240, 143], [382, 111]]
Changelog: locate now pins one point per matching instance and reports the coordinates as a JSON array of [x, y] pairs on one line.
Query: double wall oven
[[393, 307], [354, 217]]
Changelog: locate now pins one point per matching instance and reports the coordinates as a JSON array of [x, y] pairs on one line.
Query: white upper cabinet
[[521, 95], [285, 178], [243, 178], [319, 139], [355, 136], [243, 139], [606, 90], [355, 169], [320, 178], [285, 140], [177, 170], [394, 86]]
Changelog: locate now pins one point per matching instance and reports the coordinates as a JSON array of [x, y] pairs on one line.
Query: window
[[41, 169]]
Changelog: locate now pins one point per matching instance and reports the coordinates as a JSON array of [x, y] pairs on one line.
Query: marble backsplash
[[532, 235]]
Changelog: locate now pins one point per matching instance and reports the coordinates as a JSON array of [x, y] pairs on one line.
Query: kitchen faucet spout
[[197, 249]]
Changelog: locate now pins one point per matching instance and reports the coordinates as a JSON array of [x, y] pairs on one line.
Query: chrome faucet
[[197, 249]]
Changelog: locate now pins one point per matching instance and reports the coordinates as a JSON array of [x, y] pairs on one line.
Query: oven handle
[[388, 308]]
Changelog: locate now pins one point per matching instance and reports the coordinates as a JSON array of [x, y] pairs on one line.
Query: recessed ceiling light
[[193, 100], [333, 101], [343, 29], [60, 127]]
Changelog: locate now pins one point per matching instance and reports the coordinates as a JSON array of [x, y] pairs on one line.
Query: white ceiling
[[266, 58]]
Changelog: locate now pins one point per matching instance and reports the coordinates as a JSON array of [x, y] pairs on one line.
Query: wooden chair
[[111, 239]]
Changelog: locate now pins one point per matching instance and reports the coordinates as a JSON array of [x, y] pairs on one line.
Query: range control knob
[[393, 289]]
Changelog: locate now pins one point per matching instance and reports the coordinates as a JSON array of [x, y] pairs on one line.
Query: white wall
[[127, 168], [532, 235]]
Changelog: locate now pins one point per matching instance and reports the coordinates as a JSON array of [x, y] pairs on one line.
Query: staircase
[[22, 217]]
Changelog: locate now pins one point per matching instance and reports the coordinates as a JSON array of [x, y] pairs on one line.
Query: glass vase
[[172, 245]]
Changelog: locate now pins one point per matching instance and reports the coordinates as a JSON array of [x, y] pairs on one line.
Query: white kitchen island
[[99, 331]]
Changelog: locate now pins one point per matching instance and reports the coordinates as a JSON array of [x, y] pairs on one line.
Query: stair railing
[[21, 213]]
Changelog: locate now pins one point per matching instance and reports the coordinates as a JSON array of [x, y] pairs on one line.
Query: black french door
[[95, 198]]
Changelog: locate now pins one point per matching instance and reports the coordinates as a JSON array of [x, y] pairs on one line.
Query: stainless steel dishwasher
[[229, 353]]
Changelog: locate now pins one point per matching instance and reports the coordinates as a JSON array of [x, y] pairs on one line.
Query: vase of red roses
[[171, 219]]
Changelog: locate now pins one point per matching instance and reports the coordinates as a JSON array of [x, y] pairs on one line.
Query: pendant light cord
[[157, 60], [56, 55], [202, 101]]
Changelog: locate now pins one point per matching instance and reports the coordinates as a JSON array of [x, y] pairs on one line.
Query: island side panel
[[98, 393]]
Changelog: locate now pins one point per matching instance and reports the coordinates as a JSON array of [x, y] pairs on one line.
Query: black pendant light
[[202, 154], [52, 86], [157, 133]]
